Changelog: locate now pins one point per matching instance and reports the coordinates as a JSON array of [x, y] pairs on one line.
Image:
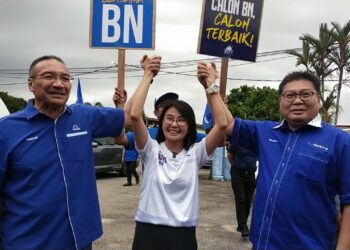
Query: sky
[[32, 28]]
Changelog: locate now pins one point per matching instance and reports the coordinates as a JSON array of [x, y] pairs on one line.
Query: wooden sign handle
[[223, 76], [121, 69]]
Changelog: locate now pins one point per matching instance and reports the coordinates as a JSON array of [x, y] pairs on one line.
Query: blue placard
[[230, 28], [122, 24]]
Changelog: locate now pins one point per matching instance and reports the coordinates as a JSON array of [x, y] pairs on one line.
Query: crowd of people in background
[[47, 178]]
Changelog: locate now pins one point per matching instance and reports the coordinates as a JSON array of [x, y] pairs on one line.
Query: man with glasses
[[303, 165], [47, 176]]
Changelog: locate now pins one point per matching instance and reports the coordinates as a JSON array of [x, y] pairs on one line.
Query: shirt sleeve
[[106, 121], [202, 154], [344, 184], [244, 134]]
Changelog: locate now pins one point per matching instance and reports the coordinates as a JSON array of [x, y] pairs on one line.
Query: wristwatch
[[214, 88]]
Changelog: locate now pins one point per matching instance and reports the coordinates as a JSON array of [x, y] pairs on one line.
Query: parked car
[[108, 156]]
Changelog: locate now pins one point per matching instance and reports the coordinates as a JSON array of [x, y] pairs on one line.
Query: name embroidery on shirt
[[161, 158], [272, 140], [318, 146]]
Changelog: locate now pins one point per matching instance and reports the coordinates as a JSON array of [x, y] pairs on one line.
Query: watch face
[[215, 88]]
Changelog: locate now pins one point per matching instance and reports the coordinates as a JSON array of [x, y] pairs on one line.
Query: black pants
[[243, 184], [159, 237], [130, 167]]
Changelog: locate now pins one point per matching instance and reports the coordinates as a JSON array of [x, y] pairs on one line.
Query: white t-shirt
[[169, 193]]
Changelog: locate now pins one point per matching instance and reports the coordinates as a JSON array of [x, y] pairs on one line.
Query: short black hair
[[43, 58], [187, 113], [300, 75]]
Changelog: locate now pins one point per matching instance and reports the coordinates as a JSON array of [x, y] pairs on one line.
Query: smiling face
[[174, 125], [49, 81], [298, 112]]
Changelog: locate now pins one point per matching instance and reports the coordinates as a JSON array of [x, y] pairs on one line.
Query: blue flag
[[207, 118], [79, 94]]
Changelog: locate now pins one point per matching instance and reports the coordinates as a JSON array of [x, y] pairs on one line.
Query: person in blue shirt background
[[47, 176], [130, 159], [243, 168], [303, 165]]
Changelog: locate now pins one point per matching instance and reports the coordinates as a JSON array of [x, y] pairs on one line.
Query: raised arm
[[151, 66], [207, 75]]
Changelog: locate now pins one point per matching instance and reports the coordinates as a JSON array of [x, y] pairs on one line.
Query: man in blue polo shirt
[[47, 177], [303, 165]]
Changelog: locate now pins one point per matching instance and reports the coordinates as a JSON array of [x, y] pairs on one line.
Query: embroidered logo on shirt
[[32, 138], [272, 140], [161, 158], [75, 127], [318, 146]]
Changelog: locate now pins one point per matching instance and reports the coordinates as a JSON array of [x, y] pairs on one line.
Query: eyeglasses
[[180, 121], [304, 95], [53, 76]]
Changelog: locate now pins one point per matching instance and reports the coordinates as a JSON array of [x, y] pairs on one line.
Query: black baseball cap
[[165, 97]]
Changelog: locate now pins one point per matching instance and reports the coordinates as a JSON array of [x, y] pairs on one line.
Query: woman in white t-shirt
[[167, 213]]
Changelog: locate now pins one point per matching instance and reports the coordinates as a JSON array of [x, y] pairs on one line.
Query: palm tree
[[340, 57], [321, 50], [328, 106], [304, 58]]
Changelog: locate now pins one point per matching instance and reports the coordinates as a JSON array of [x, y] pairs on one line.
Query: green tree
[[254, 103], [12, 103]]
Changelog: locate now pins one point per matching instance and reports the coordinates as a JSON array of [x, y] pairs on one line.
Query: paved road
[[217, 223]]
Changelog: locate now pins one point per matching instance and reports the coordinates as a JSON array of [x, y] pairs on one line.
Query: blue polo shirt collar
[[316, 122], [31, 111]]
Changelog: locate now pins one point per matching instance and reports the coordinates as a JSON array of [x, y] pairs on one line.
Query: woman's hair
[[188, 114]]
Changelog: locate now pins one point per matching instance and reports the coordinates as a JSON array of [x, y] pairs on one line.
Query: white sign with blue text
[[122, 24]]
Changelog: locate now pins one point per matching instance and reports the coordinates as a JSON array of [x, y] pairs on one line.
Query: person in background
[[303, 165], [243, 168], [130, 160], [47, 176], [167, 213]]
